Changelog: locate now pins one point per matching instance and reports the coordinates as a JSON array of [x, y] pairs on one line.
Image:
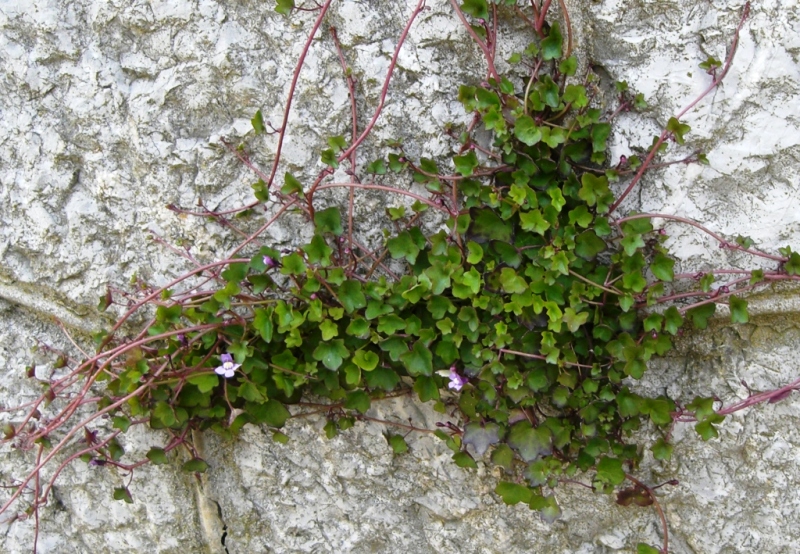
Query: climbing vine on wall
[[530, 316]]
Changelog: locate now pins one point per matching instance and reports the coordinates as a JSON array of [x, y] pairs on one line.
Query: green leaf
[[660, 410], [481, 435], [331, 353], [163, 413], [600, 134], [463, 459], [351, 296], [195, 465], [534, 221], [329, 221], [631, 243], [593, 187], [271, 413], [328, 157], [398, 444], [526, 131], [707, 429], [678, 129], [357, 400], [352, 375], [530, 443], [122, 423], [551, 46], [574, 320], [756, 276], [738, 310], [291, 185], [672, 320], [503, 456], [426, 388], [792, 265], [293, 264], [378, 167], [115, 450], [609, 470], [366, 359], [662, 450], [475, 252], [262, 322], [419, 360], [701, 314], [628, 403], [512, 493], [258, 123], [486, 225], [706, 281], [250, 392], [662, 267], [547, 506], [476, 8], [576, 95], [642, 548], [122, 493], [318, 251], [588, 245], [580, 216], [467, 284], [284, 7], [205, 382], [466, 164], [511, 282], [157, 456], [382, 378], [403, 246], [568, 67]]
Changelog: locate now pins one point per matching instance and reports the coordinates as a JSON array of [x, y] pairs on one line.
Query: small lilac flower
[[228, 366], [269, 262], [457, 382]]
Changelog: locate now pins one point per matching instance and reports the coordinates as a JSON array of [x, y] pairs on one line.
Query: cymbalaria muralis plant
[[529, 316]]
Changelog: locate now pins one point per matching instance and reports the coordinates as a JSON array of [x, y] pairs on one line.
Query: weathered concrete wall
[[113, 109]]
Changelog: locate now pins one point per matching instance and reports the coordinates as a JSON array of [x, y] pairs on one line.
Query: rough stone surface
[[113, 109]]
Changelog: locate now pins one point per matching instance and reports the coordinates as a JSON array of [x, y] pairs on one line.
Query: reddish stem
[[665, 134]]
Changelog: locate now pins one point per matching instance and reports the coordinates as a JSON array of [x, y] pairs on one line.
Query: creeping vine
[[529, 317]]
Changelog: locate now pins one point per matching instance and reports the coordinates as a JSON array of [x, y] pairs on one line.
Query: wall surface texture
[[113, 109]]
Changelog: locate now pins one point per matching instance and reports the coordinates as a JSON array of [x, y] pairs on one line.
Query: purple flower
[[457, 382], [228, 366], [269, 262]]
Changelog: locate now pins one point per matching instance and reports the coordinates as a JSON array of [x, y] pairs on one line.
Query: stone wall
[[114, 109]]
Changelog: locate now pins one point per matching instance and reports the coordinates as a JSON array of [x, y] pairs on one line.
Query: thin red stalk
[[388, 189], [569, 27], [542, 15], [381, 100], [292, 87], [657, 505], [759, 398], [354, 133], [717, 80], [538, 357], [80, 425], [75, 456], [377, 259], [263, 228], [36, 489], [158, 292], [487, 53], [726, 243]]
